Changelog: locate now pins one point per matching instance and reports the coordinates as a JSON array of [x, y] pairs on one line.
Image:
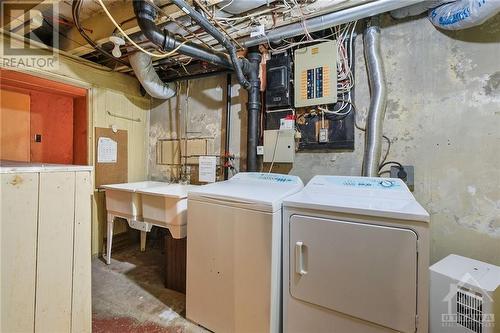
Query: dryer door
[[362, 270]]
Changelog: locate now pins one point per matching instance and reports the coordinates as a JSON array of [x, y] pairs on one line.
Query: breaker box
[[278, 88], [316, 74]]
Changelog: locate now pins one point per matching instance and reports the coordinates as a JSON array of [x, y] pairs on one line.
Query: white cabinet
[[45, 245]]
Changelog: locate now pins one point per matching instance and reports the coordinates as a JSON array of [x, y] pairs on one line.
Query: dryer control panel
[[268, 177]]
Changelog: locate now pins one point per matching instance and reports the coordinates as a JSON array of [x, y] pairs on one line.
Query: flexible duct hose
[[149, 79], [378, 101]]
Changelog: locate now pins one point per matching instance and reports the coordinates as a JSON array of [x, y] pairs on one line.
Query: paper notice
[[106, 150], [207, 169]]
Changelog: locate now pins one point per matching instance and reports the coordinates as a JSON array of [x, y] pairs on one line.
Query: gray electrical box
[[279, 146], [315, 74]]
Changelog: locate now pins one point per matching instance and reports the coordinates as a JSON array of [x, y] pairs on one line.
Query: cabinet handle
[[299, 259]]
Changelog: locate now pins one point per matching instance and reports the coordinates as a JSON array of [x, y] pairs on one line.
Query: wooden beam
[[99, 27], [9, 7]]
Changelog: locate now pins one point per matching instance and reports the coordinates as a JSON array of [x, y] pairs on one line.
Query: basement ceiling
[[97, 25]]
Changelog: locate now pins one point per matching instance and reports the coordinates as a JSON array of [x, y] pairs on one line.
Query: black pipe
[[228, 121], [146, 14], [253, 108], [194, 76], [220, 37]]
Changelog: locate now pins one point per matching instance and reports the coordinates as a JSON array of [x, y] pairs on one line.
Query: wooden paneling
[[35, 83], [14, 126], [175, 263], [18, 209], [81, 315], [55, 255], [52, 118], [131, 107], [80, 131]]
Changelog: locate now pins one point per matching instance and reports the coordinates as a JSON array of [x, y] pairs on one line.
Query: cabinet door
[[18, 224], [55, 252], [365, 271], [81, 315], [14, 126]]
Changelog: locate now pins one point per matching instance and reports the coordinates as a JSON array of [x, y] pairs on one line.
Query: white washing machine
[[355, 257], [234, 252]]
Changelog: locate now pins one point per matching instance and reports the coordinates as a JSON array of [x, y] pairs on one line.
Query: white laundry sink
[[123, 199], [166, 206]]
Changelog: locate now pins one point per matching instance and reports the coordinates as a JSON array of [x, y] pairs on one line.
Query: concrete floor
[[129, 296]]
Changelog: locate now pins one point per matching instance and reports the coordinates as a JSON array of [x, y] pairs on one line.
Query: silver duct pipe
[[142, 65], [378, 101], [368, 9]]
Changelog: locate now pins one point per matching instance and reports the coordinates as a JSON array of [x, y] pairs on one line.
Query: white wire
[[226, 5], [274, 151], [134, 43]]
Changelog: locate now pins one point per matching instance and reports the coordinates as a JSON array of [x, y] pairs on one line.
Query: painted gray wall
[[443, 117]]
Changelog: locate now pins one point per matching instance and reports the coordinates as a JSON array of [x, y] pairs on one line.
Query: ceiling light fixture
[[117, 41]]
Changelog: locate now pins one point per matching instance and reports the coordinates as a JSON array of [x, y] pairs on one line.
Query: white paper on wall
[[207, 169], [107, 150]]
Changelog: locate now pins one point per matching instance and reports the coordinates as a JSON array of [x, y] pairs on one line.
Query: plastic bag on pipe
[[464, 14], [417, 8]]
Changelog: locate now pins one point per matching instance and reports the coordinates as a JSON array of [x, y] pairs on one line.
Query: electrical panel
[[316, 74], [278, 88]]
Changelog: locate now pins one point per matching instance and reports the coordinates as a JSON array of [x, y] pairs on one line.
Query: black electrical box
[[279, 92]]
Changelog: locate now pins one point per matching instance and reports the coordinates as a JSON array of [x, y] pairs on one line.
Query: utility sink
[[166, 206], [123, 200], [144, 204]]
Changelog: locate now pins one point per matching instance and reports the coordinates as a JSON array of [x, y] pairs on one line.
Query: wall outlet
[[260, 150], [407, 175], [323, 135]]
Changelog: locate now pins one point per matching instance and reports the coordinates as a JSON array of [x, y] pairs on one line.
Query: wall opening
[[42, 121]]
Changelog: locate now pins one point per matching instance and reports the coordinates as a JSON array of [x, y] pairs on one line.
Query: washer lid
[[384, 197], [250, 190]]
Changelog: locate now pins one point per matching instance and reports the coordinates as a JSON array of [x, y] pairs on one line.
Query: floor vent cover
[[470, 310]]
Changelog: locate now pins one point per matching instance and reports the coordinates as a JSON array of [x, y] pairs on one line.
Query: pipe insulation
[[464, 14], [142, 64], [378, 101], [452, 14]]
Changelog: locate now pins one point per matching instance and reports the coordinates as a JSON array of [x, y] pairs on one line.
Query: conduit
[[328, 20], [378, 101]]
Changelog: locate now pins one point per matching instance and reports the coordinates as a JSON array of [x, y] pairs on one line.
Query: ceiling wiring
[[163, 55]]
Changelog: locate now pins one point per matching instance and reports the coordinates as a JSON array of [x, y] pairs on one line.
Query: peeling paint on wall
[[442, 117]]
